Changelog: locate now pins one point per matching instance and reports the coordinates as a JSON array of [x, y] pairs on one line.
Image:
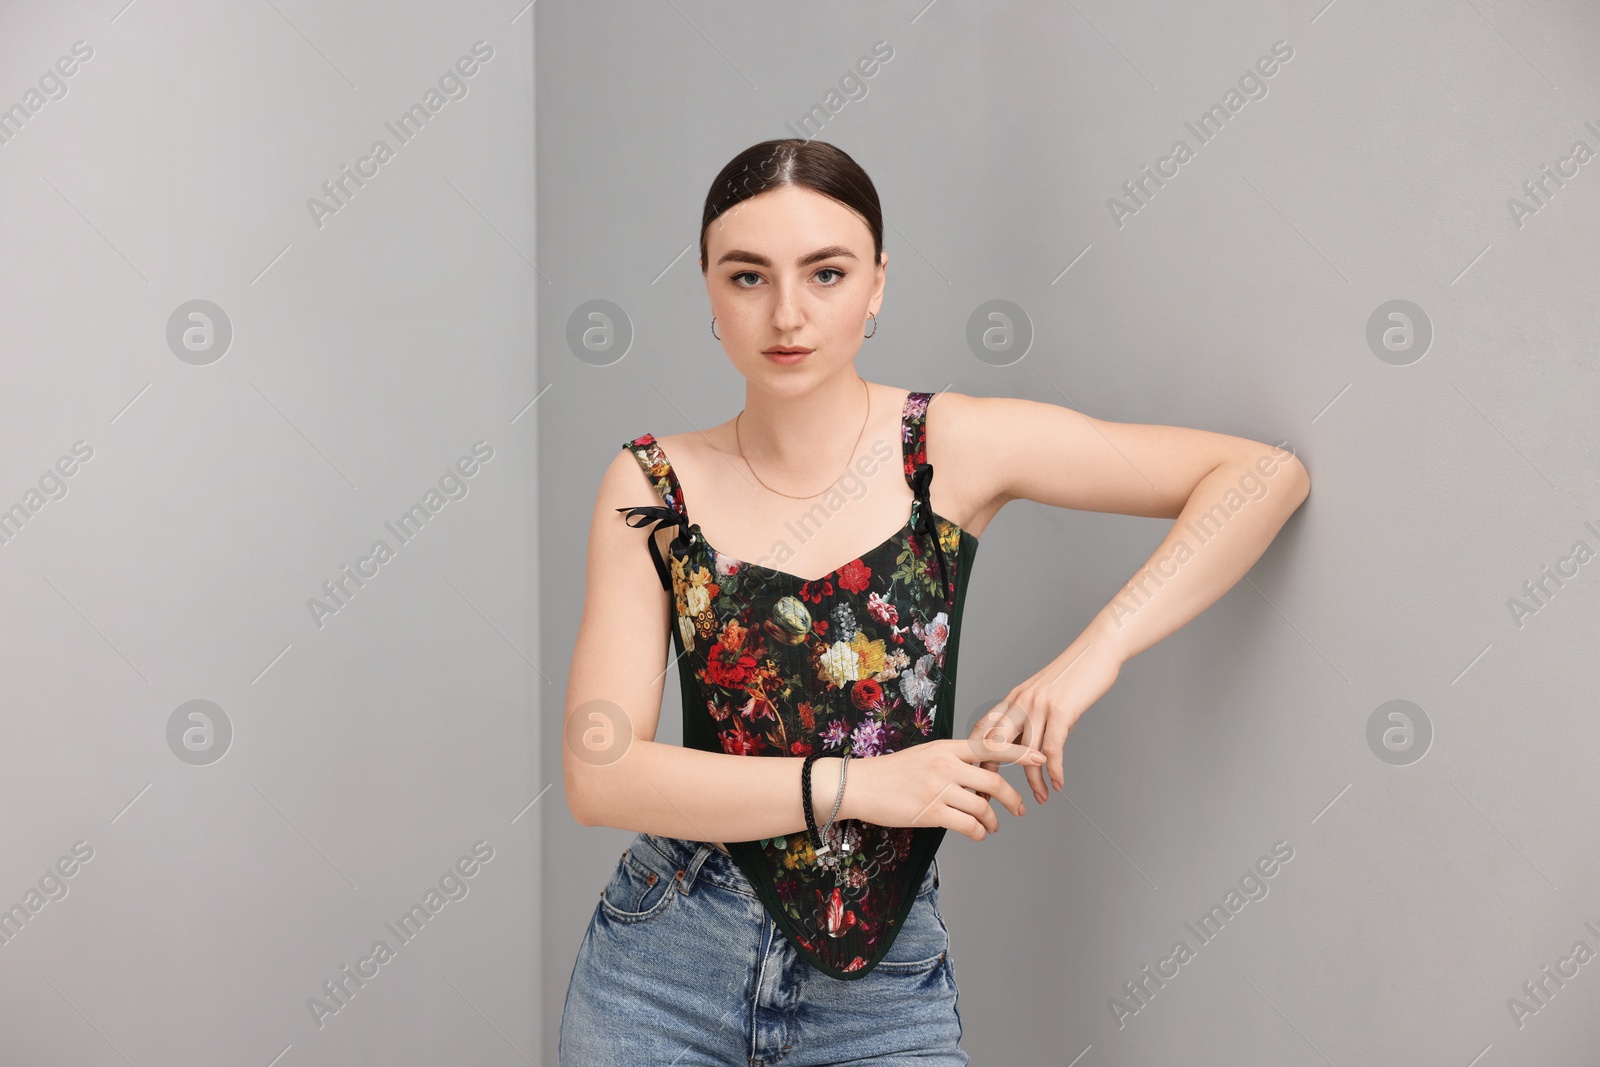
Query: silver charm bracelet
[[839, 797]]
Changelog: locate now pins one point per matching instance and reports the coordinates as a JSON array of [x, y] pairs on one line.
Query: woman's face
[[791, 268]]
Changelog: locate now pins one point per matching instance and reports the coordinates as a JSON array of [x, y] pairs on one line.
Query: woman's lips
[[786, 358]]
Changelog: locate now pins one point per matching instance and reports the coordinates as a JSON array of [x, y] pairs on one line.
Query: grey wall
[[215, 871], [1430, 877], [222, 868]]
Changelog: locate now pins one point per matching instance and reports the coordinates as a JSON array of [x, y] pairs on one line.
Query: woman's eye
[[756, 278]]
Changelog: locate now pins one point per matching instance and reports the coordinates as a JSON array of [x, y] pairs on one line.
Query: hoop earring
[[874, 324], [714, 327]]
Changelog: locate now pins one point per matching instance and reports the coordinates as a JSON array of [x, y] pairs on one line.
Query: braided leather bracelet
[[805, 792]]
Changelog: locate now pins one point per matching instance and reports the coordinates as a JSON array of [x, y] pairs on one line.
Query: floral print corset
[[863, 658]]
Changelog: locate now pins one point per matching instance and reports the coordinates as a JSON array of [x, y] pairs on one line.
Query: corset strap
[[662, 516], [921, 478]]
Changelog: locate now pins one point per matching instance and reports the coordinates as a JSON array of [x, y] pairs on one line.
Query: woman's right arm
[[616, 774]]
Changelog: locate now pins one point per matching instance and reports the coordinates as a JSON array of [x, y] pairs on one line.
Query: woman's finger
[[1004, 752], [986, 765], [1035, 776], [945, 810], [974, 805], [992, 784], [1055, 736], [1021, 725]]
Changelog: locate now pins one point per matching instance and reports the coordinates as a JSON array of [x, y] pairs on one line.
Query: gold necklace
[[853, 448]]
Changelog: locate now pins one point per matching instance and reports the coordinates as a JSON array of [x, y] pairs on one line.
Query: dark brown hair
[[815, 165]]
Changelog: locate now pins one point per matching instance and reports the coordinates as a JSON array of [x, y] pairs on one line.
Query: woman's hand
[[1039, 713], [936, 783]]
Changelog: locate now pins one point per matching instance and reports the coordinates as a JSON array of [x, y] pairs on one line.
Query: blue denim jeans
[[682, 965]]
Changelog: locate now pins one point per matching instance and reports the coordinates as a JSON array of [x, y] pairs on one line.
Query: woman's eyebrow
[[740, 255]]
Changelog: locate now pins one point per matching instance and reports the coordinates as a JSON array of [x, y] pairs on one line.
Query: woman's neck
[[786, 434]]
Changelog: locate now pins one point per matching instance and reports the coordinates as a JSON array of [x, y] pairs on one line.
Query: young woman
[[786, 907]]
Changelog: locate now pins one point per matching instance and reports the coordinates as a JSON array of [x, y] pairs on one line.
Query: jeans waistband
[[683, 861]]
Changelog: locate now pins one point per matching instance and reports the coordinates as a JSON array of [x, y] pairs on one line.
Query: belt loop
[[686, 875]]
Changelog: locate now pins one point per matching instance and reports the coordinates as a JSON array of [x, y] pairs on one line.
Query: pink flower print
[[869, 739], [934, 634], [833, 736], [757, 707], [882, 610]]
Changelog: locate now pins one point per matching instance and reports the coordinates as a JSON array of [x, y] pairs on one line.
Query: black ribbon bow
[[921, 478], [663, 516]]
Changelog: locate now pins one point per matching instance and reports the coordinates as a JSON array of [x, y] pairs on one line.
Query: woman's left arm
[[1228, 495]]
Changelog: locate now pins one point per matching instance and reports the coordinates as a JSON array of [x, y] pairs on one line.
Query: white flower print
[[686, 631], [840, 664], [919, 689]]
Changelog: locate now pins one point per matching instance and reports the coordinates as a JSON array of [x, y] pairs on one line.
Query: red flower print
[[854, 576], [728, 666], [855, 964], [817, 590], [867, 695], [800, 748], [736, 742], [837, 918], [808, 716]]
